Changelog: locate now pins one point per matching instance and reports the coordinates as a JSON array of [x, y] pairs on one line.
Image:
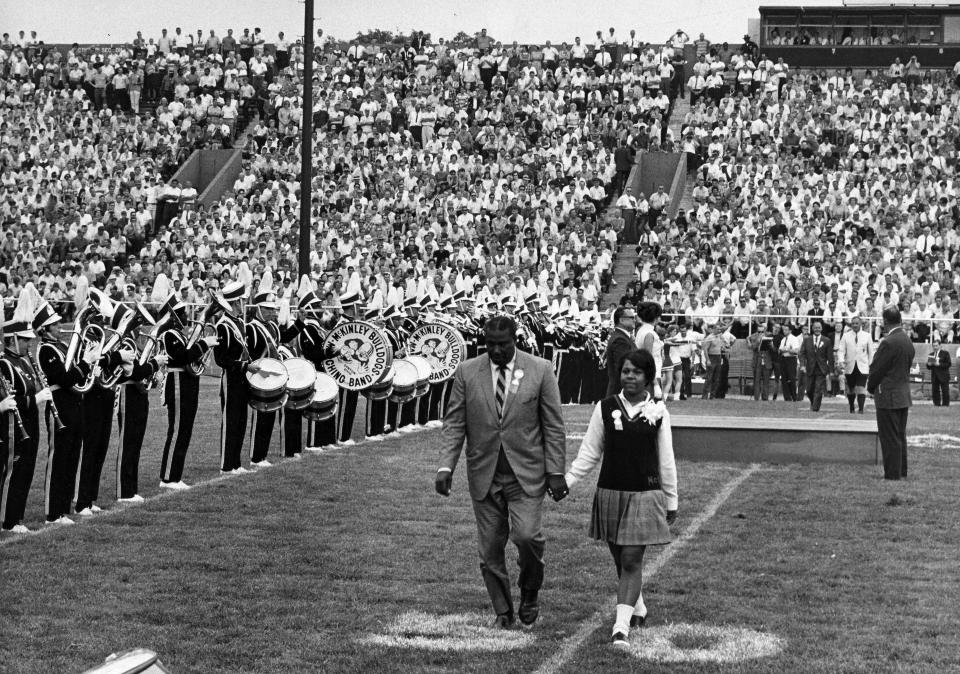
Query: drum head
[[423, 367], [302, 373], [271, 376], [325, 388], [405, 374]]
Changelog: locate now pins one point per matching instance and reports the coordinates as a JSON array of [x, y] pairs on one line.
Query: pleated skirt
[[630, 517]]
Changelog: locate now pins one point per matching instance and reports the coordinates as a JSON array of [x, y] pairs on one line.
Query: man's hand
[[8, 404], [444, 482], [43, 396], [557, 487], [671, 516]]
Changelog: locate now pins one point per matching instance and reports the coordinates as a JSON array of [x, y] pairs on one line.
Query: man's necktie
[[501, 389]]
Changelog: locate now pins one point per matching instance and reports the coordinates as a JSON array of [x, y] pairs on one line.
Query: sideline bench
[[775, 440]]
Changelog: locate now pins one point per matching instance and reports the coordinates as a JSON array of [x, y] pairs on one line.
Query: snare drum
[[404, 381], [381, 389], [323, 405], [303, 375], [267, 388], [423, 374]]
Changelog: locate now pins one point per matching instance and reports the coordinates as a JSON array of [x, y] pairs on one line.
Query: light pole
[[306, 142]]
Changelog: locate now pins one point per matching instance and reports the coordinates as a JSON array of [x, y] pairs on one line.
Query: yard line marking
[[10, 539], [590, 625]]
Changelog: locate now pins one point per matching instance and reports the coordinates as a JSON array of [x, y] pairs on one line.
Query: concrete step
[[686, 201], [681, 106]]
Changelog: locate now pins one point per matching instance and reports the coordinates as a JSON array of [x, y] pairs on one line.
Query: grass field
[[297, 567]]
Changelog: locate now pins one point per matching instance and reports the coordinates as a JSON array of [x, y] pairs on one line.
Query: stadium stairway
[[679, 110]]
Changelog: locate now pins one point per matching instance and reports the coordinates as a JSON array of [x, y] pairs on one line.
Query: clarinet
[[51, 405], [6, 389]]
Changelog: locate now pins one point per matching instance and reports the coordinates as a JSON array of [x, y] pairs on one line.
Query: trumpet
[[7, 389], [42, 379], [108, 378]]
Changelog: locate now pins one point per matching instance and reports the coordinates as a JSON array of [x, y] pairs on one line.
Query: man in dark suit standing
[[619, 345], [889, 384], [506, 405], [938, 362], [817, 355], [623, 161]]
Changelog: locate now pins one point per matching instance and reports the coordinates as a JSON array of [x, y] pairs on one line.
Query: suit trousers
[[892, 428], [686, 385], [788, 366], [940, 388], [15, 483], [816, 386], [98, 409], [508, 512], [132, 414], [63, 455], [233, 421], [261, 431], [181, 395]]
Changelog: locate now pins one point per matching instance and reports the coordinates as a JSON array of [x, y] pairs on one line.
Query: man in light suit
[[889, 384], [817, 355], [506, 405], [619, 345], [855, 353]]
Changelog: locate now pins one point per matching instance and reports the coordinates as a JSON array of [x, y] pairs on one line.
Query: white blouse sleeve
[[668, 467], [591, 449]]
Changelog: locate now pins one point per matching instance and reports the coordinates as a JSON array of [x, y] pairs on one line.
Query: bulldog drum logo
[[442, 346], [361, 355]]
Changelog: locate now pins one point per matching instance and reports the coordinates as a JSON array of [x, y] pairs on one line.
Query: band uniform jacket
[[856, 350], [817, 358], [531, 432], [619, 345], [889, 378]]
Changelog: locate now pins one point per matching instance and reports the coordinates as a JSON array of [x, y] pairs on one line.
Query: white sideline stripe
[[590, 625], [10, 539]]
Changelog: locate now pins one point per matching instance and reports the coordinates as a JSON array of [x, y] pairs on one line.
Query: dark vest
[[630, 458]]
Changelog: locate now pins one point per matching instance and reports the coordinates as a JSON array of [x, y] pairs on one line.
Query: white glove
[[8, 404], [44, 396], [211, 341]]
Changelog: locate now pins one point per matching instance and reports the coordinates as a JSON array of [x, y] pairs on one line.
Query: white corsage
[[653, 411], [617, 424], [515, 382]]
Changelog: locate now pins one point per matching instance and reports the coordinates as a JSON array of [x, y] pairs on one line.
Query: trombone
[[201, 328]]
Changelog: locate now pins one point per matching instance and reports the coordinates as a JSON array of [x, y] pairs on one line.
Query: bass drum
[[323, 405], [267, 388], [423, 374], [303, 376], [404, 381], [381, 389]]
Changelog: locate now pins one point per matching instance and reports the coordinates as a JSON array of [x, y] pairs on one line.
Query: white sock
[[624, 611], [640, 608]]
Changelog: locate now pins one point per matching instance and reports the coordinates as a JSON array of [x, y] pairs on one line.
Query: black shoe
[[619, 640], [529, 608], [503, 621], [637, 620]]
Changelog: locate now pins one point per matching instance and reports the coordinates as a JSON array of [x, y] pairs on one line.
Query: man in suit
[[889, 384], [938, 362], [817, 355], [619, 345], [506, 405], [855, 353]]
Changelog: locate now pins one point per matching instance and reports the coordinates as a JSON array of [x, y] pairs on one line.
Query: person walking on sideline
[[889, 383], [619, 345], [856, 352], [939, 365], [817, 356], [636, 499], [506, 405]]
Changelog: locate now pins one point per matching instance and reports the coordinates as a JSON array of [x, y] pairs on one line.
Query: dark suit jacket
[[939, 370], [889, 378], [817, 360], [618, 346], [531, 433]]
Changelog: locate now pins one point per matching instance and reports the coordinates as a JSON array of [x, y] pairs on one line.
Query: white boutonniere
[[617, 424], [653, 411], [515, 382]]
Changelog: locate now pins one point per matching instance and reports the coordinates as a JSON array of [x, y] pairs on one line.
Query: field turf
[[298, 567]]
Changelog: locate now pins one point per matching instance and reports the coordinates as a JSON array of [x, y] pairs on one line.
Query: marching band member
[[404, 415], [423, 402], [181, 389], [375, 425], [22, 403], [61, 375], [291, 427], [263, 336], [133, 411], [231, 354], [98, 407], [321, 433], [348, 400]]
